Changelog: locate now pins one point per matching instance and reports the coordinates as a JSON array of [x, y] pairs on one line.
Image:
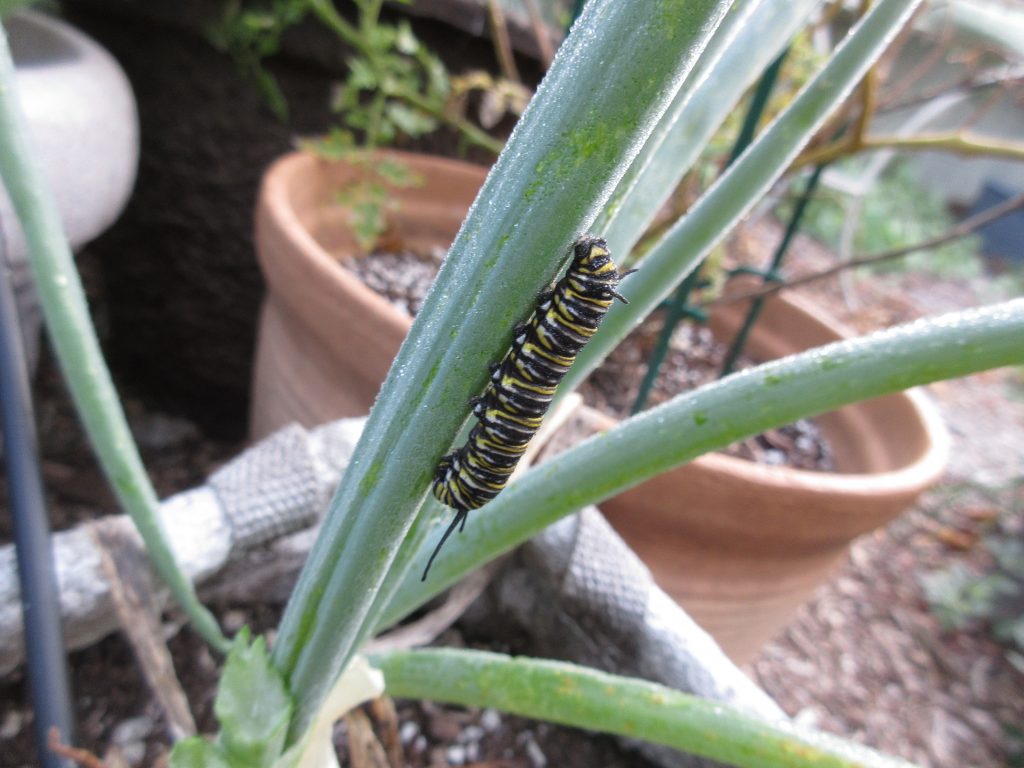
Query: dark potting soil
[[119, 721], [694, 358]]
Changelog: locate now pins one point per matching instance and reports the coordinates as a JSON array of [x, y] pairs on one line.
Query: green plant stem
[[369, 15], [709, 419], [78, 351], [329, 15], [545, 189], [376, 115], [586, 698], [433, 510], [745, 182], [473, 134], [748, 39]]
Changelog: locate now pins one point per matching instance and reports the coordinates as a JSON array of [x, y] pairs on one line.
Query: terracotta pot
[[325, 339], [741, 545]]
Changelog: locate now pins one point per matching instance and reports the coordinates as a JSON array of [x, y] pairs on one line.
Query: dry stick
[[850, 142], [1005, 75], [502, 44], [385, 715], [426, 629], [965, 227], [364, 748], [127, 571], [959, 141], [82, 757], [540, 33], [869, 97]]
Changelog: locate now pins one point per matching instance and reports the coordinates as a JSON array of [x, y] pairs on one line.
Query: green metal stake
[[758, 104], [757, 305], [679, 307]]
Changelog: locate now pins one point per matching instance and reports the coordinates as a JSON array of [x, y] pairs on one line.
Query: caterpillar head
[[591, 256]]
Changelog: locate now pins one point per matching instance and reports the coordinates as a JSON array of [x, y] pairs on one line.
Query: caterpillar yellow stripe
[[522, 385]]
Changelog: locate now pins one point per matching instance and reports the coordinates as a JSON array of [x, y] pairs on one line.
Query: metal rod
[[677, 309], [49, 689], [757, 305], [758, 104]]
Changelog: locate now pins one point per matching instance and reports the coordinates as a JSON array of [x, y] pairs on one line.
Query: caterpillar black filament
[[522, 385]]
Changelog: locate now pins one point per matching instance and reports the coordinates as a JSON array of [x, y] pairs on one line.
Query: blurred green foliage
[[394, 88], [897, 211], [251, 34]]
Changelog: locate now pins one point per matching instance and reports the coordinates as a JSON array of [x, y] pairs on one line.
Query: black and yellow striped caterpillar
[[522, 385]]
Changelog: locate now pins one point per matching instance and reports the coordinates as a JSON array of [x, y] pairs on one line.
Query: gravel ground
[[866, 658]]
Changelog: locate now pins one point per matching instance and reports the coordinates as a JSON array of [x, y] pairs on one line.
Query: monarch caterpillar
[[522, 385]]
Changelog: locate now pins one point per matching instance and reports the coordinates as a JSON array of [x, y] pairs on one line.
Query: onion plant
[[634, 93]]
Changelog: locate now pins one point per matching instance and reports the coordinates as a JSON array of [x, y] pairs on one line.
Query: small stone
[[233, 621], [114, 757], [12, 723], [134, 729], [456, 754], [129, 736], [534, 753], [808, 717], [443, 727], [158, 432], [490, 720], [408, 731]]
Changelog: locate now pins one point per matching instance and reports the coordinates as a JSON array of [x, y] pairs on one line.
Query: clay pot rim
[[277, 208], [922, 471], [919, 473]]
